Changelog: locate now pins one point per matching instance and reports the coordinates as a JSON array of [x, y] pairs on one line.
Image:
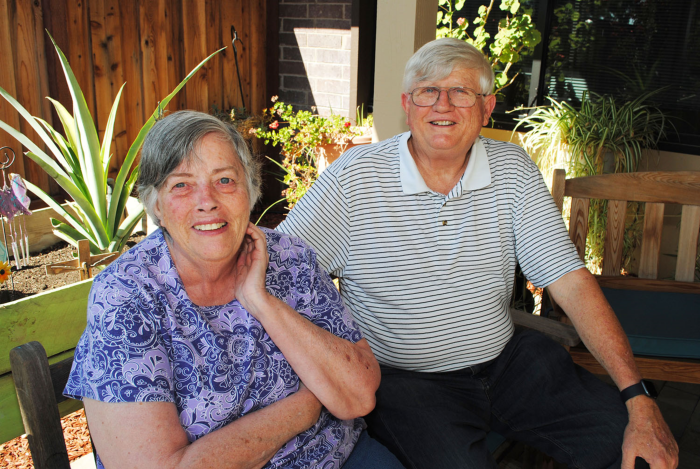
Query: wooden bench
[[39, 390], [666, 304]]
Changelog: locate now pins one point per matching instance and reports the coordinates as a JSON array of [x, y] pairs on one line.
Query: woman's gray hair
[[438, 58], [173, 140]]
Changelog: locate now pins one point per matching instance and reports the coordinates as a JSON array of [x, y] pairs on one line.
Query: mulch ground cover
[[32, 279]]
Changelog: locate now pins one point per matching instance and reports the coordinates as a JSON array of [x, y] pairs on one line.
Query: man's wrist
[[642, 388]]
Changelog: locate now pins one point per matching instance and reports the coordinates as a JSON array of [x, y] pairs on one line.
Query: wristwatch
[[643, 387]]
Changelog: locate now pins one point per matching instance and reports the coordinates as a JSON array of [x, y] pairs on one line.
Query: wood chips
[[15, 453]]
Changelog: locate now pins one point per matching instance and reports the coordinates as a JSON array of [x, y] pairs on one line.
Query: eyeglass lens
[[459, 97]]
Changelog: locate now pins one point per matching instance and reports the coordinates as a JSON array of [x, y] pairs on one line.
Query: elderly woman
[[214, 343]]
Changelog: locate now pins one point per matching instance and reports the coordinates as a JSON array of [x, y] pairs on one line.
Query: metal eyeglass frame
[[440, 90]]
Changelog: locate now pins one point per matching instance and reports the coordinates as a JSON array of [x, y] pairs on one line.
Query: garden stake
[[4, 165], [234, 38]]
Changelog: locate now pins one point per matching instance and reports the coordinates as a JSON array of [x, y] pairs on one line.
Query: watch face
[[649, 389]]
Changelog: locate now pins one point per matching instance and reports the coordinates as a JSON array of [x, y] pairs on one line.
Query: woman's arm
[[344, 376], [149, 434]]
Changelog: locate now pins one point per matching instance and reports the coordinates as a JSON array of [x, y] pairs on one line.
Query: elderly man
[[424, 231]]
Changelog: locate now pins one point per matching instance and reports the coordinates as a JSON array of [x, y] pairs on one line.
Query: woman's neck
[[206, 283]]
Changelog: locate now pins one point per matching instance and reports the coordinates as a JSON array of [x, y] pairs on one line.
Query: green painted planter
[[56, 318]]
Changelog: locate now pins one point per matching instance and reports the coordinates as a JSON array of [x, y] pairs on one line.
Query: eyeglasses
[[459, 97]]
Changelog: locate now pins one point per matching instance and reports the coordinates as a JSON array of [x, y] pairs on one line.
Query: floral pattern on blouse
[[146, 341]]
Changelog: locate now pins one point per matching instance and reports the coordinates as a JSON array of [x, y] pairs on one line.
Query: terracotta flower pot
[[327, 154]]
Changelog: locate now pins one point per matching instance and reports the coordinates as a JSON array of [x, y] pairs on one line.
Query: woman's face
[[204, 204]]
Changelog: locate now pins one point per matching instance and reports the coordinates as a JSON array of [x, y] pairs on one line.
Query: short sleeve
[[321, 219], [122, 355], [542, 244], [296, 277]]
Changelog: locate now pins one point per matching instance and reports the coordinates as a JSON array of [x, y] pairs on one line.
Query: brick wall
[[315, 54]]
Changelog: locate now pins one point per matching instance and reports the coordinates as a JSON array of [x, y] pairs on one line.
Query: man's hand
[[648, 436]]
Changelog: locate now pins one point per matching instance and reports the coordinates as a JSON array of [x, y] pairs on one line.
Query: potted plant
[[308, 142], [603, 135]]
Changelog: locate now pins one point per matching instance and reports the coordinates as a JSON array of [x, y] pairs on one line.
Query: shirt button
[[444, 222]]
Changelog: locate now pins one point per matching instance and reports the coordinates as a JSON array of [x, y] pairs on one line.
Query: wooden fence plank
[[101, 64], [80, 52], [8, 83], [614, 237], [194, 35], [651, 240], [115, 74], [55, 20], [578, 224], [257, 55], [688, 243], [30, 83], [154, 53], [176, 48], [131, 58], [214, 66]]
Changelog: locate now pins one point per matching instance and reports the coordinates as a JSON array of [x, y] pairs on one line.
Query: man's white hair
[[438, 58]]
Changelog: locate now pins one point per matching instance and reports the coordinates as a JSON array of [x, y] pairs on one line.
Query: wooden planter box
[[57, 319]]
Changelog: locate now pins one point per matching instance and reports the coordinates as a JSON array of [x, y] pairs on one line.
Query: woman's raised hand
[[251, 267]]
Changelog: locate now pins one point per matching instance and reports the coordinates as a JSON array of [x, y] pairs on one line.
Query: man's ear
[[489, 104], [406, 104]]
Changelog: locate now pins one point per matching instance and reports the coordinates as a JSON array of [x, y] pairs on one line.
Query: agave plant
[[82, 164]]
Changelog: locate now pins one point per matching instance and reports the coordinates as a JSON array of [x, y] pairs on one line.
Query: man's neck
[[440, 172]]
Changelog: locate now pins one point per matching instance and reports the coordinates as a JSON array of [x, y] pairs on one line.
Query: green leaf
[[109, 131], [57, 208], [125, 230], [73, 191], [67, 121], [33, 123], [60, 142]]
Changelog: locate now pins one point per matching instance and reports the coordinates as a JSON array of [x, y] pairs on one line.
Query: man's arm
[[647, 434]]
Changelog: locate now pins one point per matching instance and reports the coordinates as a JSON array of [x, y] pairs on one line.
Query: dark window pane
[[625, 48]]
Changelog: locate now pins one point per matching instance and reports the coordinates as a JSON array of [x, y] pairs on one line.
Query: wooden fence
[[149, 44]]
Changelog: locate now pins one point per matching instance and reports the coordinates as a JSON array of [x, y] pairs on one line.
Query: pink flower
[[274, 125], [348, 124], [274, 99], [460, 21], [252, 131]]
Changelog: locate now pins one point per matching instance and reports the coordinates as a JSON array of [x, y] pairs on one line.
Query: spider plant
[[603, 135], [81, 166]]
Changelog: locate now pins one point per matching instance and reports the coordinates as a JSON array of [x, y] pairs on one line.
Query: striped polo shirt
[[428, 276]]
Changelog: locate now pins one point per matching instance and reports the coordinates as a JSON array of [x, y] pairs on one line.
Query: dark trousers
[[533, 392]]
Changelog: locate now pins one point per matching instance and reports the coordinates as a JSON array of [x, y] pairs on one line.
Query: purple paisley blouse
[[146, 341]]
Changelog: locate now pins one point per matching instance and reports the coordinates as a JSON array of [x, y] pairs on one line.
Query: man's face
[[444, 127]]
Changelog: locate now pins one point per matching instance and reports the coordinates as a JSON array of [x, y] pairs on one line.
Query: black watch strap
[[642, 387]]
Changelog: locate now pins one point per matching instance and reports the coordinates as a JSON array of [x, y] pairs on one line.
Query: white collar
[[477, 175]]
